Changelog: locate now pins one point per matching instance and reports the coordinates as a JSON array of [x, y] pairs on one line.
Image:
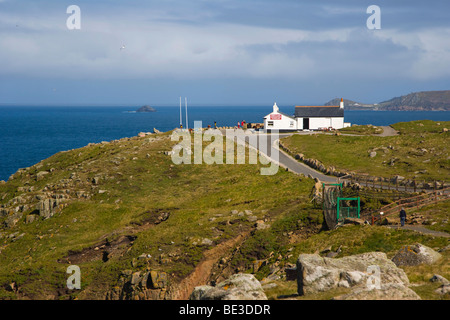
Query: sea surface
[[29, 134]]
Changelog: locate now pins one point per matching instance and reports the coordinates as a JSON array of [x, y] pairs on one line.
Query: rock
[[12, 220], [390, 221], [238, 287], [157, 279], [207, 242], [373, 154], [439, 278], [355, 221], [318, 274], [260, 225], [389, 291], [47, 207], [413, 255], [40, 175], [30, 218], [146, 109], [156, 130], [444, 289], [136, 278]]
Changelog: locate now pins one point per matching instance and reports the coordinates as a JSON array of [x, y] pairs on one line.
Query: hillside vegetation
[[420, 151], [122, 209]]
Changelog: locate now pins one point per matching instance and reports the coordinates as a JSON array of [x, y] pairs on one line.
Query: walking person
[[402, 217]]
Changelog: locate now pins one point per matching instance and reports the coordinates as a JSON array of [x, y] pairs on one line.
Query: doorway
[[305, 123]]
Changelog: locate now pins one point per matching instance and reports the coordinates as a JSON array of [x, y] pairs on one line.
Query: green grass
[[362, 129], [191, 193], [419, 152], [199, 198]]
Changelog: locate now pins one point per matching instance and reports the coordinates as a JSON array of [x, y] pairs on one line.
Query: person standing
[[402, 216]]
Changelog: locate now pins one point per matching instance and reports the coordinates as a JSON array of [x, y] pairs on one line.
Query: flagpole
[[187, 123], [181, 119]]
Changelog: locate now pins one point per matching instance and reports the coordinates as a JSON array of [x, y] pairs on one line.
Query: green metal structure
[[347, 212], [335, 209]]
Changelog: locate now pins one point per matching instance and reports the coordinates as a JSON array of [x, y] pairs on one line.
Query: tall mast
[[187, 123], [181, 119]]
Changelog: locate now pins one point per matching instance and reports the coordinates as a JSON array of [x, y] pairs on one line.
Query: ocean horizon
[[29, 134]]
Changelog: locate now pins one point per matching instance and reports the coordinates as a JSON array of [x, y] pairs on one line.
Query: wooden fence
[[410, 202]]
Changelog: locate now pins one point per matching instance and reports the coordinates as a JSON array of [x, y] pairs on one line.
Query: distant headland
[[416, 101], [146, 109]]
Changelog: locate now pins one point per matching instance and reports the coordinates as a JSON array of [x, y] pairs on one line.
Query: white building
[[307, 118]]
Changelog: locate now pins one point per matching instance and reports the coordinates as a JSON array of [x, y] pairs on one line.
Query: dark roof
[[318, 111]]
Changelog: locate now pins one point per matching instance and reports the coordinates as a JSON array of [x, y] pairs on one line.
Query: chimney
[[275, 107], [341, 105]]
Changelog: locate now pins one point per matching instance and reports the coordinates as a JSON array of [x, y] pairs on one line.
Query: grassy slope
[[351, 153], [199, 199], [191, 193]]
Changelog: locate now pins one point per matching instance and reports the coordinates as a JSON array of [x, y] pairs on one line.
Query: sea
[[29, 134]]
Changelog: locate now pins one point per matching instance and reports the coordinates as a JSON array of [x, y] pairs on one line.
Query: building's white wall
[[316, 123], [285, 123]]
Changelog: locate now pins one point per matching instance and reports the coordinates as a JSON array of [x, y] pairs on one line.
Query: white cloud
[[160, 44]]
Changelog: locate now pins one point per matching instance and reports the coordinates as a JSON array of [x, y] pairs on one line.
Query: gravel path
[[421, 229]]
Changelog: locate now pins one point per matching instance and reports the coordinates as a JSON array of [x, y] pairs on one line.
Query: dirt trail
[[202, 271]]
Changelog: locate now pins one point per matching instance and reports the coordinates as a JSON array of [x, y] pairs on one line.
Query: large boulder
[[416, 254], [319, 274], [389, 291], [238, 287]]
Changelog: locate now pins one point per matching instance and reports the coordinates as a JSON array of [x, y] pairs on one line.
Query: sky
[[220, 52]]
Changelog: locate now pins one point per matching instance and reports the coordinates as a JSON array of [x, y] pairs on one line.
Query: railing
[[411, 202]]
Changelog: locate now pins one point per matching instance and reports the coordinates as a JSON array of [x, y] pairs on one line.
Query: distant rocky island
[[146, 109], [416, 101]]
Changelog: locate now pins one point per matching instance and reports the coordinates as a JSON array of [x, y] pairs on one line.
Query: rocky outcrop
[[319, 274], [390, 291], [150, 285], [416, 254], [238, 287]]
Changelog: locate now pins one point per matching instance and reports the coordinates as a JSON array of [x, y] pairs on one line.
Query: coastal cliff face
[[416, 101]]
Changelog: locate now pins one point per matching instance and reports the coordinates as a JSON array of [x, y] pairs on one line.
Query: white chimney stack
[[275, 107], [341, 104]]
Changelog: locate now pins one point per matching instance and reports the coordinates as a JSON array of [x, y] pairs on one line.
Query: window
[[291, 123], [270, 123]]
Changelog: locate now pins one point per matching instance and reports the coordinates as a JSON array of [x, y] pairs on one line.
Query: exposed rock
[[40, 175], [260, 225], [373, 154], [444, 289], [48, 207], [355, 221], [440, 279], [416, 254], [389, 291], [318, 274], [146, 109], [238, 287]]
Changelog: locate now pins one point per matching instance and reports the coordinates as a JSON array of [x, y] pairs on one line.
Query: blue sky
[[220, 52]]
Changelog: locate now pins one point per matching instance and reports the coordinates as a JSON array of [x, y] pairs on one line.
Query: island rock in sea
[[146, 109]]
